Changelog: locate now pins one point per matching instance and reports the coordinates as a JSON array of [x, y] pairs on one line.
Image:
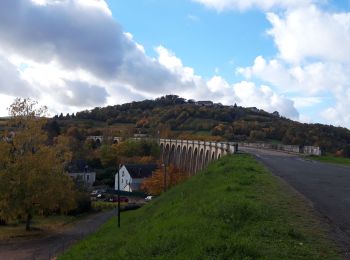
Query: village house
[[82, 174], [132, 176], [86, 179]]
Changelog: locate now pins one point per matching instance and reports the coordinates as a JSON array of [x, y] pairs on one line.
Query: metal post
[[119, 196], [165, 177]]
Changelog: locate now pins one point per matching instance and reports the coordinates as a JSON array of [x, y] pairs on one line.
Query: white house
[[132, 175], [85, 178]]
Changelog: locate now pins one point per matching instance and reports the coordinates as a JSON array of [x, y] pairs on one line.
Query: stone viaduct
[[189, 155], [193, 156]]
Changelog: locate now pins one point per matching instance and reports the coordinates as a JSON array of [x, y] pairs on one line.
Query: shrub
[[83, 204], [346, 151]]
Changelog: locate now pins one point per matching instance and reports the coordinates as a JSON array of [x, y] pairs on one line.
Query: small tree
[[154, 185], [32, 178]]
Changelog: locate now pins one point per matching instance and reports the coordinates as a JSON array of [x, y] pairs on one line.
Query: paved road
[[326, 186], [50, 246]]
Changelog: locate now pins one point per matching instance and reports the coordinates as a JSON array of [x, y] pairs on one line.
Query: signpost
[[119, 197]]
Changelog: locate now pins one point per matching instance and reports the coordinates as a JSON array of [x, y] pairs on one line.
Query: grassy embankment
[[235, 209], [331, 159]]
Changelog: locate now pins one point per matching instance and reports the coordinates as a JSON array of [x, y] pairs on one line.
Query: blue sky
[[202, 38], [286, 55]]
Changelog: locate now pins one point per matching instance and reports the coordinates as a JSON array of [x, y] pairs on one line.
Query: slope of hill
[[235, 209], [172, 116]]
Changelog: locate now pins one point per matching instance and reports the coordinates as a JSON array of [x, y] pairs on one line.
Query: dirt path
[[50, 246]]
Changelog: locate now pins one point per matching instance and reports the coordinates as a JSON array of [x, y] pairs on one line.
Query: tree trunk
[[29, 218]]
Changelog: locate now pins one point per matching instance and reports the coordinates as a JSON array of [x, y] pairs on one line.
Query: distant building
[[204, 103], [218, 105], [253, 109], [132, 175], [276, 114], [81, 173], [86, 179]]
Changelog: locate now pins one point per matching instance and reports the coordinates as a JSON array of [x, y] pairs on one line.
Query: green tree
[[32, 179]]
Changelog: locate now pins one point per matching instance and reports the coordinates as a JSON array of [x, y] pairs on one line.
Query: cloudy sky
[[287, 55]]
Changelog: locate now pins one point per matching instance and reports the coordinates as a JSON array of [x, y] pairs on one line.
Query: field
[[331, 159], [235, 209]]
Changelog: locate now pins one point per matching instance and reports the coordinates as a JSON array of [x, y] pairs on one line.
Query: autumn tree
[[108, 155], [32, 179], [154, 185]]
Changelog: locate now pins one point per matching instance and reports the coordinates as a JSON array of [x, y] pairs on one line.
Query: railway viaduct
[[193, 156], [189, 155]]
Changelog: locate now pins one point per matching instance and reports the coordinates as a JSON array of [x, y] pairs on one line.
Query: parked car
[[148, 198], [96, 193]]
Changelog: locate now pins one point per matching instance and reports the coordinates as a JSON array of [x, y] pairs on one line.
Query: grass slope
[[235, 209], [331, 159]]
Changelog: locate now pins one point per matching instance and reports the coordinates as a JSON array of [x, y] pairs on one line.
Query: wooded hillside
[[173, 116]]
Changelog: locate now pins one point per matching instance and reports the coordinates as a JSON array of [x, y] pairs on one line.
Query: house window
[[88, 177], [122, 180]]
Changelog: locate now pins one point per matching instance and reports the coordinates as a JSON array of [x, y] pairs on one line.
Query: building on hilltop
[[204, 103], [132, 175]]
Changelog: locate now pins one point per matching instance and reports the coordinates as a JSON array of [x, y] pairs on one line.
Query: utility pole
[[119, 197]]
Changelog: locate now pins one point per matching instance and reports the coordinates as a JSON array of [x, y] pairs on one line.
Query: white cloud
[[6, 101], [11, 82], [310, 79], [221, 5], [217, 88], [301, 102], [304, 33], [72, 55], [339, 113], [252, 96], [313, 60], [312, 63], [55, 48]]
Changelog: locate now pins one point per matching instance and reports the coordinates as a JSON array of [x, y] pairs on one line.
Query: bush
[[83, 204], [103, 205], [346, 151]]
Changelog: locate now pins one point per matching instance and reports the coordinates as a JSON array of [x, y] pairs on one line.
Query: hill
[[172, 116], [235, 209]]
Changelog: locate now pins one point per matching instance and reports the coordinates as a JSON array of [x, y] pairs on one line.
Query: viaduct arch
[[191, 155]]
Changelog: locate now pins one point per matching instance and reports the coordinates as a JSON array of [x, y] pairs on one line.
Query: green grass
[[235, 209], [331, 159]]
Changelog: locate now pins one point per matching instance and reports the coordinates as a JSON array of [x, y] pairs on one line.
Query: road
[[50, 246], [326, 186]]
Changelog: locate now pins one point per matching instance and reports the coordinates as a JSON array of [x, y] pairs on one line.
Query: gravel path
[[50, 246]]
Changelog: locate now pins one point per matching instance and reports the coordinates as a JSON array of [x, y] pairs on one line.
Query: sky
[[290, 56]]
